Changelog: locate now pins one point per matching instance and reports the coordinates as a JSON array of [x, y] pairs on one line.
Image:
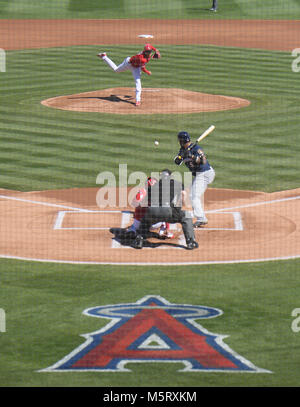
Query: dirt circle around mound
[[154, 101], [67, 226]]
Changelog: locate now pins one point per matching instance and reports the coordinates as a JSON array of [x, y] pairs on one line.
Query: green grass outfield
[[267, 9], [253, 148], [44, 304]]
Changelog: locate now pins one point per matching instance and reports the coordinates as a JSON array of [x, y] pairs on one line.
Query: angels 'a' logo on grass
[[153, 330]]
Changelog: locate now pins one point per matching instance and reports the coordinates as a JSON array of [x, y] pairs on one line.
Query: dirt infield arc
[[281, 35], [155, 100], [67, 226]]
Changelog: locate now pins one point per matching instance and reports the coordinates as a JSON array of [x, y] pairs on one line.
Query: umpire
[[165, 206]]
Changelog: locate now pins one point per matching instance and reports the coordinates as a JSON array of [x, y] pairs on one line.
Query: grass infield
[[252, 148], [103, 9]]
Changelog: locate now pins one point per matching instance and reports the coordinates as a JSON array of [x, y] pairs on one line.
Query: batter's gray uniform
[[203, 174], [214, 6]]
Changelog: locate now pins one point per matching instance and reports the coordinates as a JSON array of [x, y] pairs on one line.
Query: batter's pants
[[199, 185], [215, 4]]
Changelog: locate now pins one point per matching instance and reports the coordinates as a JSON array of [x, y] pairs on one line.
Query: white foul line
[[12, 198], [90, 210], [254, 204]]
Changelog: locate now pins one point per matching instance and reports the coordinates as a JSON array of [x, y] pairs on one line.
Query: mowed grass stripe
[[50, 295], [241, 66], [175, 9], [99, 142]]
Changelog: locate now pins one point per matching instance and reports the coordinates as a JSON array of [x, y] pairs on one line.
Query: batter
[[203, 174]]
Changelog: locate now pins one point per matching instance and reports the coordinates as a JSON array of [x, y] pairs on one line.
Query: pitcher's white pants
[[199, 185], [126, 66]]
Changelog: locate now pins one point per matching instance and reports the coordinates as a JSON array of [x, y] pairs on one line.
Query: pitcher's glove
[[157, 54]]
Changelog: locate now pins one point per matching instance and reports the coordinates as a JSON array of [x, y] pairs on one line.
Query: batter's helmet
[[183, 137]]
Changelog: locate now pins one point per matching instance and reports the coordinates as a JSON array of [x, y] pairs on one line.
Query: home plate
[[146, 36]]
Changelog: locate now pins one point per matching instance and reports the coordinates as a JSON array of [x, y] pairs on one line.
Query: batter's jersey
[[194, 168]]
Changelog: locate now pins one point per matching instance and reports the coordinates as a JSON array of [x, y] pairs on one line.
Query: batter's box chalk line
[[126, 217], [125, 220]]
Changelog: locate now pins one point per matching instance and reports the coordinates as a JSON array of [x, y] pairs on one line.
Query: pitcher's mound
[[154, 101]]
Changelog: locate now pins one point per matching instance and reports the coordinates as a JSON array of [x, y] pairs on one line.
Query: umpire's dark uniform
[[165, 206]]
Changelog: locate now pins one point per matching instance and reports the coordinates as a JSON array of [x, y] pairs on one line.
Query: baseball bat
[[206, 133]]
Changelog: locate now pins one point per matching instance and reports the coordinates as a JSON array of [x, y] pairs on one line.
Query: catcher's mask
[[151, 181], [183, 138]]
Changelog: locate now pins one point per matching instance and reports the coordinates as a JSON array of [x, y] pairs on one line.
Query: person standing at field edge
[[214, 6]]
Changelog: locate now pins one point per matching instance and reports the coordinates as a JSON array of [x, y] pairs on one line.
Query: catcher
[[140, 203], [167, 196], [135, 64]]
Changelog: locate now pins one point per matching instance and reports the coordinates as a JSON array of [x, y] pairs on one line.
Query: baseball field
[[65, 118]]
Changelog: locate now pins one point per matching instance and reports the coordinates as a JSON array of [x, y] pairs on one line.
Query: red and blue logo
[[154, 330]]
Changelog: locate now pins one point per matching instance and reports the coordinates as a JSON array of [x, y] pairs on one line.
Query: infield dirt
[[67, 225], [154, 100], [281, 35]]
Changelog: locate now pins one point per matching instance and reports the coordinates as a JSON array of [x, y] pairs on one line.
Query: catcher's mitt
[[157, 54]]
